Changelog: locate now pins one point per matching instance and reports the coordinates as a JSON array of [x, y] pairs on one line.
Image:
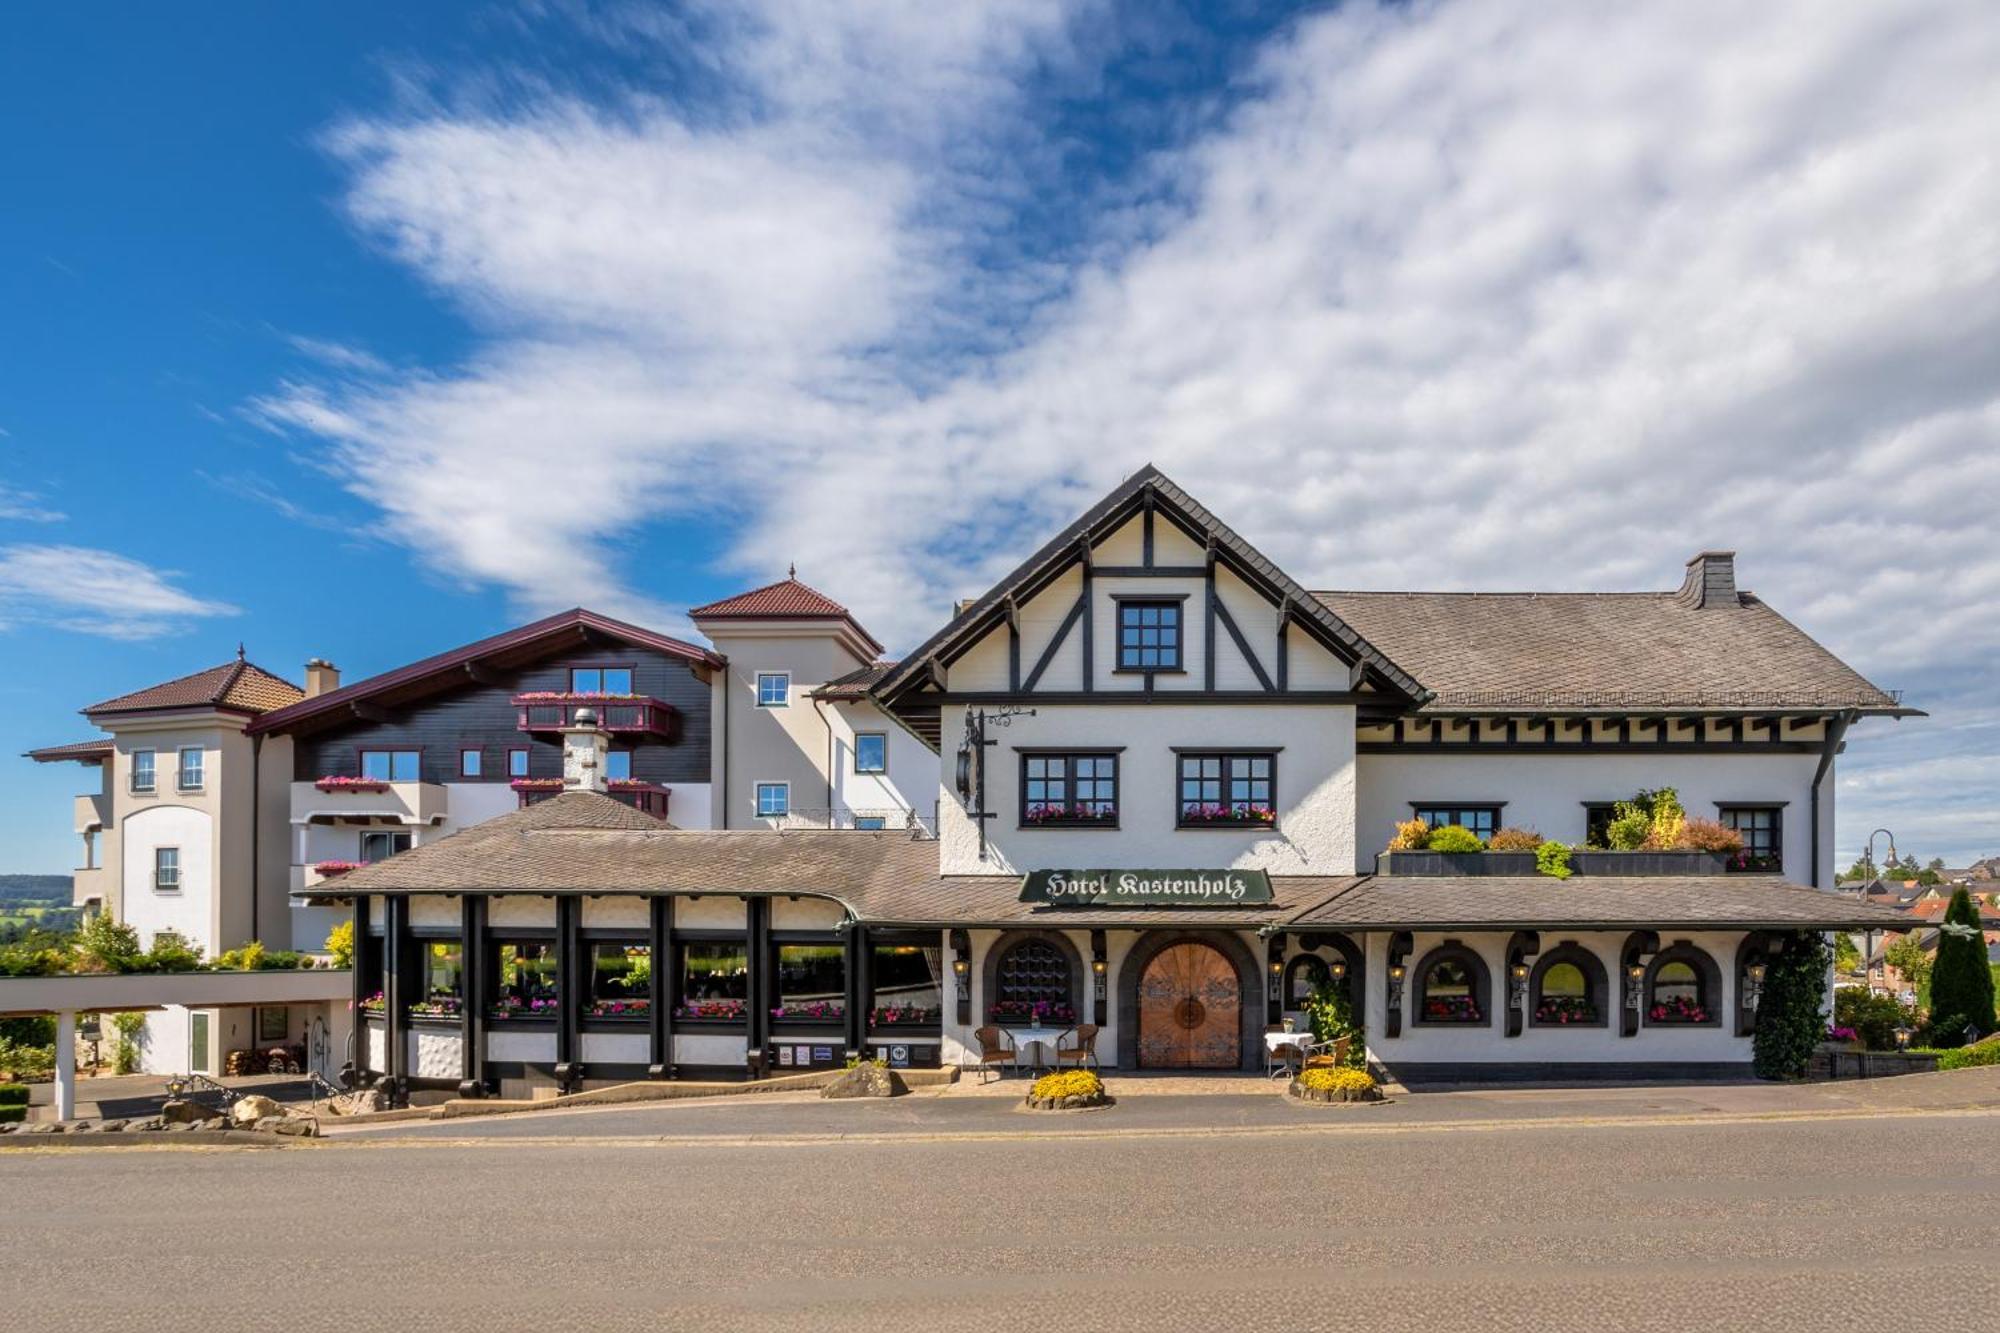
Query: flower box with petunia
[[905, 1015], [351, 784], [1227, 816], [335, 867], [1565, 1010], [1057, 814], [627, 1010], [542, 1005], [1042, 1012], [375, 1004], [1678, 1009], [810, 1011], [438, 1004], [1452, 1009], [716, 1011], [536, 784]]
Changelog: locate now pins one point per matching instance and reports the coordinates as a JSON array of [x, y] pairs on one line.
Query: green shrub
[[104, 945], [1629, 827], [1790, 1022], [13, 1094], [340, 943], [170, 953], [1454, 838], [13, 1115], [1331, 1014], [1986, 1052], [1552, 859], [1961, 984], [1874, 1018], [129, 1025], [27, 1061], [125, 1058]]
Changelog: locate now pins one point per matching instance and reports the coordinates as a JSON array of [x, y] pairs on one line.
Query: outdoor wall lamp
[[1518, 979], [1277, 974], [1337, 969], [961, 968], [1753, 985], [1635, 985], [1098, 967], [1396, 985], [1903, 1036]]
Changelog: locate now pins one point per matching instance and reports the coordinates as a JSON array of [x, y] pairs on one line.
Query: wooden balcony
[[646, 797], [624, 714]]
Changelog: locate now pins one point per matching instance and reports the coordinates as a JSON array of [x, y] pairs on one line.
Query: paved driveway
[[1887, 1216]]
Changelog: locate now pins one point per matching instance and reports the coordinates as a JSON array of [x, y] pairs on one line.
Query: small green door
[[198, 1043]]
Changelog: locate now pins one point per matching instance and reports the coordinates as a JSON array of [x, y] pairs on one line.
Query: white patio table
[[1035, 1036]]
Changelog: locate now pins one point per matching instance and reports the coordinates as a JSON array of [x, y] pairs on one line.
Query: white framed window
[[871, 752], [774, 799], [774, 689], [188, 776], [167, 869], [390, 765], [617, 765], [600, 680], [870, 823], [471, 762], [142, 770]]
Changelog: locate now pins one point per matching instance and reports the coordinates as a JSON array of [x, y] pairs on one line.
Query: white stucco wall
[[709, 912], [1546, 792], [436, 1054], [909, 781], [189, 911], [805, 913], [1315, 793], [435, 911], [1488, 1044], [527, 1047], [710, 1049], [615, 913], [616, 1048], [378, 1047], [521, 911]]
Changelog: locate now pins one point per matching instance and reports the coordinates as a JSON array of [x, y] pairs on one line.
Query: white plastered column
[[66, 1064]]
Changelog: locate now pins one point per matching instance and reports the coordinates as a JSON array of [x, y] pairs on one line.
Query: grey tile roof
[[1611, 651], [1616, 902], [586, 843]]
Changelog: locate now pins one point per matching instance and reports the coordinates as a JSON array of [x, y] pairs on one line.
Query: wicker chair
[[1327, 1054], [995, 1050], [1285, 1055], [1084, 1054]]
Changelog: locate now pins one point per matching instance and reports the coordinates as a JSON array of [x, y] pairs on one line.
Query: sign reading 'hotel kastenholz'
[[1145, 888]]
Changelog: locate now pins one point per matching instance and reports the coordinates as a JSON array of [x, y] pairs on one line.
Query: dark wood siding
[[484, 716]]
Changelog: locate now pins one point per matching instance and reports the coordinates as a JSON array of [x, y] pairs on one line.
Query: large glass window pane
[[585, 680], [812, 983], [618, 766], [525, 980], [380, 845], [444, 970], [714, 980], [1448, 993], [1032, 982], [617, 680], [909, 985], [871, 752], [621, 980]]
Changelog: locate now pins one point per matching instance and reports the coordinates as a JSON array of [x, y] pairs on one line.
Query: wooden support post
[[397, 951], [569, 994], [659, 995], [474, 994]]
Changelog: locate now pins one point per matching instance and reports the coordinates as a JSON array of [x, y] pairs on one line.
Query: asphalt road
[[1680, 1224]]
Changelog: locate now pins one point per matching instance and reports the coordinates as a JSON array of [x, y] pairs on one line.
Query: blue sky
[[365, 330]]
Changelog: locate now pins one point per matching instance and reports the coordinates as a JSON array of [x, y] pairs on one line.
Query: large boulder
[[245, 1112], [180, 1111], [866, 1080], [362, 1101]]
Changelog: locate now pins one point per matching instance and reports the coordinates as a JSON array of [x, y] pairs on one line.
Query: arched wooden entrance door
[[1190, 1010]]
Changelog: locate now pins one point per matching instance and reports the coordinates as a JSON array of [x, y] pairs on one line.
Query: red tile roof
[[787, 599], [88, 752], [238, 686]]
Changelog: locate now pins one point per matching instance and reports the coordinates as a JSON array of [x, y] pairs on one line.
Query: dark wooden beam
[[1055, 642], [1146, 529], [1284, 660], [1013, 645], [1208, 617], [1242, 644], [1089, 635]]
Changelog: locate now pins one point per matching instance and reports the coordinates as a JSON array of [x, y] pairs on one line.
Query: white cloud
[[26, 506], [97, 592], [338, 355], [1499, 295]]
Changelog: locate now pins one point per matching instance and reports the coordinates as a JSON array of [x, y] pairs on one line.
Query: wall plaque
[[1146, 888]]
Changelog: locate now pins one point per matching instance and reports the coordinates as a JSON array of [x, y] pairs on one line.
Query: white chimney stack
[[322, 677], [584, 746]]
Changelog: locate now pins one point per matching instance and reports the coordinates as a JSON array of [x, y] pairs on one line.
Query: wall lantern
[[1903, 1035], [1277, 975], [1337, 969], [1753, 985], [961, 968], [1396, 972], [1517, 977], [1635, 985], [1098, 967]]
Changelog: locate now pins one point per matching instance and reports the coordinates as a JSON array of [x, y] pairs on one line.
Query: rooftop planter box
[[1581, 862], [352, 784], [1457, 863], [549, 710]]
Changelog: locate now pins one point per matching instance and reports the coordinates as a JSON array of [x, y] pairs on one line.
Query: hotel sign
[[1146, 888]]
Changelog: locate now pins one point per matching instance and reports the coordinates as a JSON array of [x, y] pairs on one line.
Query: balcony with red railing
[[626, 714]]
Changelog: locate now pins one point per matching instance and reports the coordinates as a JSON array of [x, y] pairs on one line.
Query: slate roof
[[1609, 651], [1116, 508], [89, 752], [855, 684], [1610, 902], [236, 686], [521, 643], [582, 842]]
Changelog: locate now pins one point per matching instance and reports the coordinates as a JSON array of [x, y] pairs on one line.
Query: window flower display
[[621, 981], [333, 784], [811, 1011], [1451, 1009], [375, 1003], [1041, 1013], [1562, 1010], [1677, 1009], [905, 1015], [714, 1010], [335, 867]]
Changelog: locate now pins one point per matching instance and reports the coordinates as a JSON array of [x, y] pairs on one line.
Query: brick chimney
[[1710, 581], [322, 677], [584, 746]]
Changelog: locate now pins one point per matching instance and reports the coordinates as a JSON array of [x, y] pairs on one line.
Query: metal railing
[[891, 819]]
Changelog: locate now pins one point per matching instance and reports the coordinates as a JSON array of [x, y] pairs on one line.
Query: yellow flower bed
[[1069, 1083], [1347, 1085]]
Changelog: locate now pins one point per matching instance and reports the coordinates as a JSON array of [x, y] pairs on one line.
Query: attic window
[[1149, 636]]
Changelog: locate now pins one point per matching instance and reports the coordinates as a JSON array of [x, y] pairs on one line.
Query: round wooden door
[[1190, 1010]]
